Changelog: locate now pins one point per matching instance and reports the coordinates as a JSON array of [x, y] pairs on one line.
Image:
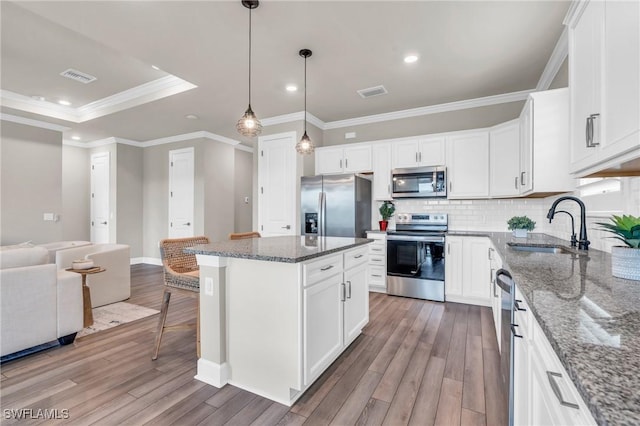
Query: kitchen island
[[275, 312]]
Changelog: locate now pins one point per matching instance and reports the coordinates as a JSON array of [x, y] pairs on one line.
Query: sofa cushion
[[23, 256]]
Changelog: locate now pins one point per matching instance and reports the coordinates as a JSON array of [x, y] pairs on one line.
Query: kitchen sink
[[540, 249]]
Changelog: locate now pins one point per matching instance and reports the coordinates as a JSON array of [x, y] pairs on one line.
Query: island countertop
[[591, 319], [285, 249]]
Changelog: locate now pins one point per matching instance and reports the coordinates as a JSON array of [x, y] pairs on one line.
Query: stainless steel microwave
[[419, 182]]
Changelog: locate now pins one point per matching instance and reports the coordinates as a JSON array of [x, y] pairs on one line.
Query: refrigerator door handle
[[321, 213]]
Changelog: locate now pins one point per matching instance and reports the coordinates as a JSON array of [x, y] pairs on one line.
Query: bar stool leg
[[166, 297]]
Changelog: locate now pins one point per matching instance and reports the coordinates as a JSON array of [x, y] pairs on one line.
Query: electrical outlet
[[208, 286]]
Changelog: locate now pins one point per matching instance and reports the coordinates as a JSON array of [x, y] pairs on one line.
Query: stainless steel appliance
[[419, 182], [335, 205], [508, 333], [415, 256]]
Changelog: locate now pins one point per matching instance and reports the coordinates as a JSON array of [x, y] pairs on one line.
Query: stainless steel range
[[415, 256]]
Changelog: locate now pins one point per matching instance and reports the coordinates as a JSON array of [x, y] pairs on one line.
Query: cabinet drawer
[[321, 269], [377, 274], [375, 248], [376, 259], [356, 257]]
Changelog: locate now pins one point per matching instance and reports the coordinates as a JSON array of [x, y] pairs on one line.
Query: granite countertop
[[591, 319], [287, 249]]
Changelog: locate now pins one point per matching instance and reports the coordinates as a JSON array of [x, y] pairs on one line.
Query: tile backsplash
[[492, 215]]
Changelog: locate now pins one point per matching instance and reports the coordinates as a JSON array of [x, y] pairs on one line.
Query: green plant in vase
[[520, 225], [386, 211], [625, 260]]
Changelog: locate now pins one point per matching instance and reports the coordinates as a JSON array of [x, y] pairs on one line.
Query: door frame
[[171, 153], [94, 156]]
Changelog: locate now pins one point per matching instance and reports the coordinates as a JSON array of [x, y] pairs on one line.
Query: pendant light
[[249, 125], [305, 145]]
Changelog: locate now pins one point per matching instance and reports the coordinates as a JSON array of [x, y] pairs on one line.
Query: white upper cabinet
[[504, 151], [354, 158], [468, 164], [423, 152], [604, 76], [381, 154], [544, 152]]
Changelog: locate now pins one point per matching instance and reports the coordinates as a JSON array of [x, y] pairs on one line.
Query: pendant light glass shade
[[305, 145], [249, 125]]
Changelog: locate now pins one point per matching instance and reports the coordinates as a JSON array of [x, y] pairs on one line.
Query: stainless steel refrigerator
[[335, 205]]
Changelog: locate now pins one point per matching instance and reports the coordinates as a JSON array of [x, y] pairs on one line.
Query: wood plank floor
[[417, 362]]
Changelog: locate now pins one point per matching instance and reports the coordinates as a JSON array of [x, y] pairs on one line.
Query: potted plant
[[520, 225], [625, 260], [386, 211]]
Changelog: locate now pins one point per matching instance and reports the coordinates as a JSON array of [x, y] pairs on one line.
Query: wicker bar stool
[[181, 273], [244, 235]]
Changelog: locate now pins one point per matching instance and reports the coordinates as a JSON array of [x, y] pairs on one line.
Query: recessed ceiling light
[[63, 102], [75, 138], [191, 117], [291, 88], [155, 67], [409, 59], [37, 97]]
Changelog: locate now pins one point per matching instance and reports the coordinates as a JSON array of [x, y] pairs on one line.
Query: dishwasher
[[508, 334]]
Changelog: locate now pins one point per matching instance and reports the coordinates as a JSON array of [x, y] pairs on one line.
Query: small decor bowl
[[82, 264]]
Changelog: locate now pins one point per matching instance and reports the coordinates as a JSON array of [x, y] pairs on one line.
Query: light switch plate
[[208, 286], [50, 216]]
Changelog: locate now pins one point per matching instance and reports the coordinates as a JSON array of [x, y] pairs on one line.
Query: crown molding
[[188, 136], [294, 116], [244, 148], [432, 109], [559, 54], [144, 93], [33, 123]]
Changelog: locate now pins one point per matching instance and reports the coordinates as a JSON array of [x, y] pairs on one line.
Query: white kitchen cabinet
[[468, 164], [604, 76], [381, 154], [420, 152], [378, 262], [504, 159], [353, 158], [544, 153], [466, 270], [336, 307], [495, 263]]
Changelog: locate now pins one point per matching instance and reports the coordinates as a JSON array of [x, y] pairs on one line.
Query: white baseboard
[[147, 260], [212, 373]]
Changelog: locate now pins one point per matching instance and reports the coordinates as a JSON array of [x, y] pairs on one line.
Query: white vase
[[625, 263], [520, 233]]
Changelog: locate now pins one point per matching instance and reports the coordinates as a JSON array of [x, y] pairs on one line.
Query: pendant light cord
[[249, 56], [305, 94]]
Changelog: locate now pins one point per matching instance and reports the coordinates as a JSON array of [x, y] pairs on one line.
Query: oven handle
[[420, 238]]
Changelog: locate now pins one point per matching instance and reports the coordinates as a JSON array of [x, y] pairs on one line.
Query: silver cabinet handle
[[286, 227], [340, 163], [517, 307], [103, 223], [349, 290], [587, 132], [556, 390], [590, 131], [358, 256], [389, 188], [326, 268], [513, 330], [516, 182], [489, 252], [343, 292], [184, 224], [376, 275], [450, 186], [346, 163], [420, 157], [449, 248], [522, 178]]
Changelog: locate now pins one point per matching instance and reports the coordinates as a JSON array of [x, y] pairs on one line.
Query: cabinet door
[[504, 161], [431, 152], [323, 326], [405, 154], [329, 160], [621, 109], [495, 293], [357, 159], [476, 269], [356, 305], [468, 165], [453, 267], [521, 382], [525, 177], [381, 171], [584, 79]]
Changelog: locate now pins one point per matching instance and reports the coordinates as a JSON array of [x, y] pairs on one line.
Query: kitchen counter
[[288, 249], [591, 319]]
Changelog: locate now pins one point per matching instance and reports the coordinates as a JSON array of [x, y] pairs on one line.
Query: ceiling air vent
[[78, 76], [372, 91]]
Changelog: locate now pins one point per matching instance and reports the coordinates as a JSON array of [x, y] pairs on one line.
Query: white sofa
[[113, 285], [39, 303], [62, 245]]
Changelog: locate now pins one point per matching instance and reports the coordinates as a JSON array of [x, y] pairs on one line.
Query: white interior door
[[277, 184], [181, 193], [100, 220]]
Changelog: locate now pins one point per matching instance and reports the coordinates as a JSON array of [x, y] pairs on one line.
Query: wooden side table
[[86, 292]]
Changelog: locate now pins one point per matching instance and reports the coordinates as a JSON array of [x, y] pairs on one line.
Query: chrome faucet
[[583, 242]]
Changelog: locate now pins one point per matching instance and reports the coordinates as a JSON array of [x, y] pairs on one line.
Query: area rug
[[108, 316]]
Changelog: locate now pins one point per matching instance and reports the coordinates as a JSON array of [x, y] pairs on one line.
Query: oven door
[[415, 267]]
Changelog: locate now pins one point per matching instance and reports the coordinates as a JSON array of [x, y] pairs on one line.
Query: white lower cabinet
[[336, 308], [543, 391], [466, 266]]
